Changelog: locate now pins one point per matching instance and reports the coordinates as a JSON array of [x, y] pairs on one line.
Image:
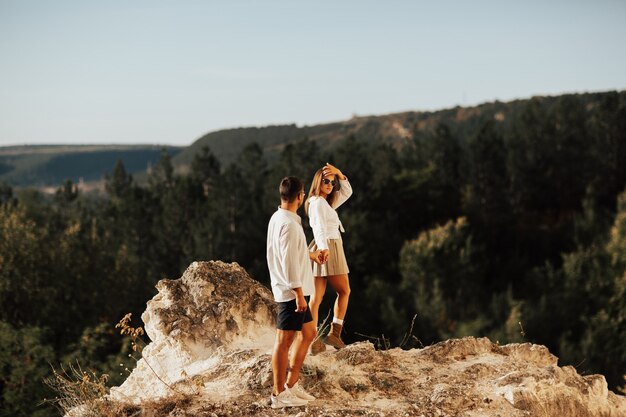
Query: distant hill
[[51, 165], [393, 129], [43, 166]]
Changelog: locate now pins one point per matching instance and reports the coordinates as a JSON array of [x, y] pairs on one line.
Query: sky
[[168, 72]]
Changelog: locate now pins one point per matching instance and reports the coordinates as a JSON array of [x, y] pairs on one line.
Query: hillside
[[51, 165], [41, 166], [393, 129]]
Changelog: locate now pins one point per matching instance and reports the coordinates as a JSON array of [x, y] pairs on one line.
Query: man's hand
[[300, 303], [319, 256]]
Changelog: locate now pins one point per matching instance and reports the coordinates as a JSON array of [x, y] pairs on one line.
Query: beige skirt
[[336, 263]]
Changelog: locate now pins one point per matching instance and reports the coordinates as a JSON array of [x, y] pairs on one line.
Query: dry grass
[[80, 392], [84, 393]]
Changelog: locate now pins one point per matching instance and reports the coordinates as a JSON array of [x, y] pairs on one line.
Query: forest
[[514, 230]]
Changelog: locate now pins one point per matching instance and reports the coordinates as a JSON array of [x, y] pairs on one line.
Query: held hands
[[330, 170], [319, 256]]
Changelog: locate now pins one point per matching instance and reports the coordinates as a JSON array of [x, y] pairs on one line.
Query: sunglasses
[[326, 181]]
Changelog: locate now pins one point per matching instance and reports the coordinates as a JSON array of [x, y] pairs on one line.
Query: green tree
[[605, 337], [487, 206], [67, 193], [428, 185], [439, 273], [23, 266], [24, 363], [530, 158], [6, 193], [207, 229], [245, 197], [205, 167], [607, 131], [118, 185], [580, 308], [486, 200], [162, 174]]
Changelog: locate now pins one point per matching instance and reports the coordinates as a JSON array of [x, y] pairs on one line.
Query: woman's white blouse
[[324, 219]]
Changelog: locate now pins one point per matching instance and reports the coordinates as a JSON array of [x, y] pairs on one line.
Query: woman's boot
[[334, 336]]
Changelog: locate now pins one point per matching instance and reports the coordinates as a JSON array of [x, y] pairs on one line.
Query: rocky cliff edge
[[212, 333]]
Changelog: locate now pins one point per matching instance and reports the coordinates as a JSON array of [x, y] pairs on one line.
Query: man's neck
[[292, 207]]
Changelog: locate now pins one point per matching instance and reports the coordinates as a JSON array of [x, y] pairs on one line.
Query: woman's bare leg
[[341, 285], [316, 298]]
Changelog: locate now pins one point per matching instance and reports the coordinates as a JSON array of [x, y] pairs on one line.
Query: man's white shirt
[[288, 256]]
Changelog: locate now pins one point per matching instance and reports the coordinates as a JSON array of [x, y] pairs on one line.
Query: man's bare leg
[[300, 348], [280, 358]]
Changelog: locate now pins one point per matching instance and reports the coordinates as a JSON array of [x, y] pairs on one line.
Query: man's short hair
[[289, 188]]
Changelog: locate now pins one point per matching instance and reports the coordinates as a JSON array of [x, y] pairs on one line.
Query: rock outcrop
[[212, 333]]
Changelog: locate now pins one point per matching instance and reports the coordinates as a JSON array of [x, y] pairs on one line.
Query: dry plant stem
[[385, 345], [421, 345], [409, 333], [322, 327], [160, 379], [134, 333], [76, 387]]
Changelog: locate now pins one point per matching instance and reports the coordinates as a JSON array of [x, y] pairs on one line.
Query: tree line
[[515, 231]]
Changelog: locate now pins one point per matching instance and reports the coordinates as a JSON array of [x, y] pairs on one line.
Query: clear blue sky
[[167, 72]]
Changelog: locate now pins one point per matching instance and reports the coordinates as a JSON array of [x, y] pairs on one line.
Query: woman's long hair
[[316, 186]]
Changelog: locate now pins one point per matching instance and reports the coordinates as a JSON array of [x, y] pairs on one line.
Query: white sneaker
[[299, 392], [287, 399]]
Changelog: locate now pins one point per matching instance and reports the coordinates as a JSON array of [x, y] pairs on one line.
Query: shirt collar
[[291, 214]]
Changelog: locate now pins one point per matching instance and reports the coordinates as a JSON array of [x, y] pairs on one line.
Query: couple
[[292, 278]]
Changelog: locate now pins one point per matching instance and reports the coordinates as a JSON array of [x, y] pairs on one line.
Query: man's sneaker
[[287, 399], [299, 392]]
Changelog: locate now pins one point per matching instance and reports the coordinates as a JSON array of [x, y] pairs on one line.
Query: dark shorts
[[288, 319]]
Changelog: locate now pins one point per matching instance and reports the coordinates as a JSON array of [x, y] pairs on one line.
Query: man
[[288, 260]]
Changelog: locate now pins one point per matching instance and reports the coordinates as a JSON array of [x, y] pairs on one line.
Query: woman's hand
[[323, 256], [319, 256], [330, 170]]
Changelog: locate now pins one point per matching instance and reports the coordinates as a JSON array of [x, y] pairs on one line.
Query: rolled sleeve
[[345, 191]]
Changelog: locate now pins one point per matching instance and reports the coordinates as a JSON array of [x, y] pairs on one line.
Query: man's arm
[[345, 191], [300, 301], [289, 255]]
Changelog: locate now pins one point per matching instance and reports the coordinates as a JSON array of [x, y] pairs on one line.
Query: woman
[[329, 189]]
